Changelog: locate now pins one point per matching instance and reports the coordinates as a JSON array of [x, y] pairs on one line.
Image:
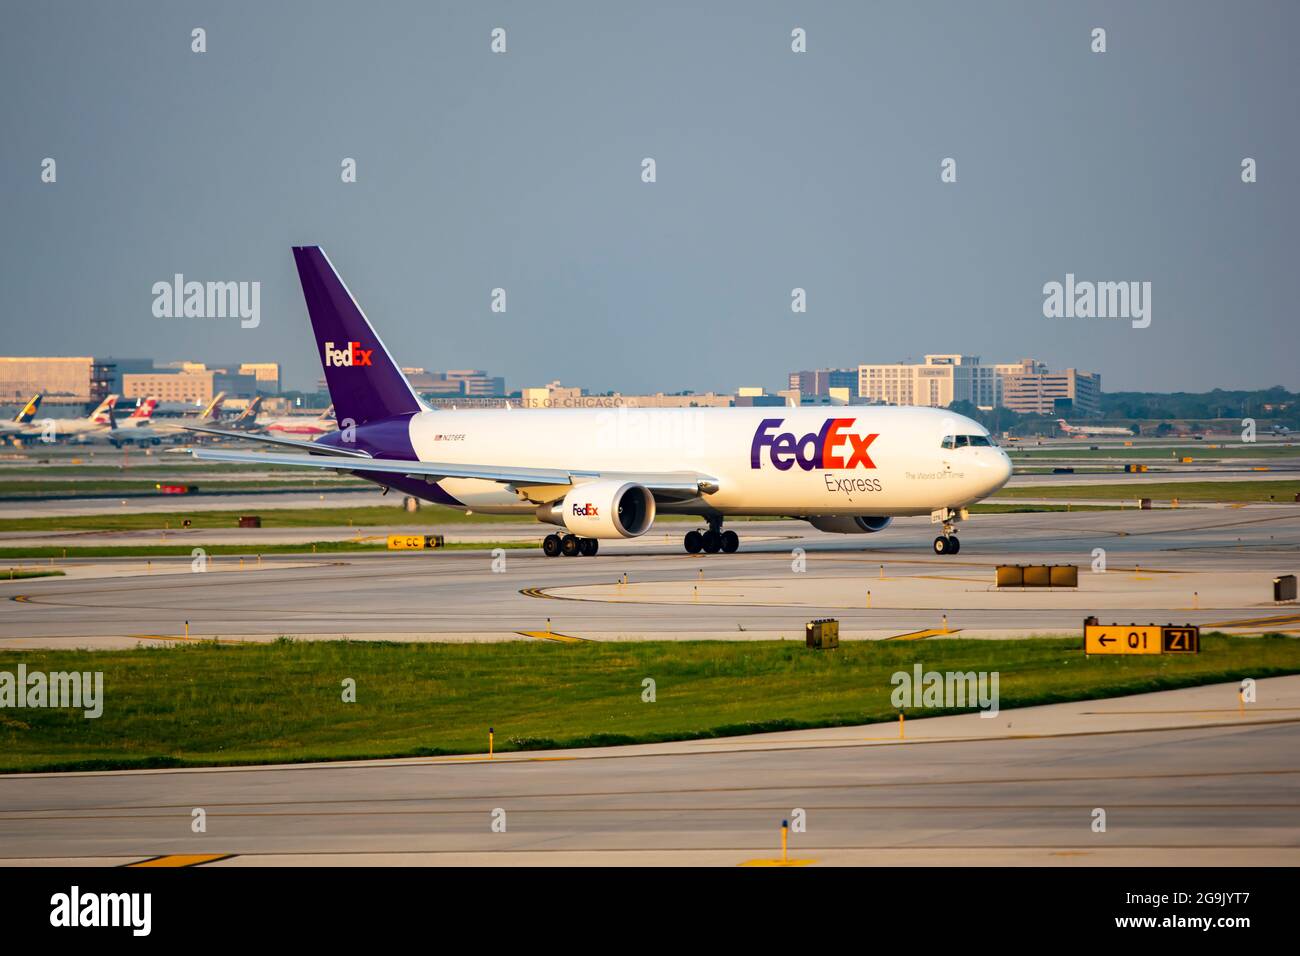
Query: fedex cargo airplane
[[605, 474]]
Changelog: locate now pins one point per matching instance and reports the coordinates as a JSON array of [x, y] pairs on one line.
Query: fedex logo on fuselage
[[820, 449], [353, 355], [585, 511]]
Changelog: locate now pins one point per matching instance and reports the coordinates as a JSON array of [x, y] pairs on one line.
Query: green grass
[[186, 550], [1182, 490], [18, 574], [429, 516], [206, 704]]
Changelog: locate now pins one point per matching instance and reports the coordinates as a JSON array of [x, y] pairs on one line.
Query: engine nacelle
[[603, 509], [848, 524]]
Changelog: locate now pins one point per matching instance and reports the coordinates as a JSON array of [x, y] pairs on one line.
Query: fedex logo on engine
[[832, 447], [585, 511], [353, 355]]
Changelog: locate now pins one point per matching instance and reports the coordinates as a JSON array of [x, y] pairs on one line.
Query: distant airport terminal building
[[72, 380], [85, 380]]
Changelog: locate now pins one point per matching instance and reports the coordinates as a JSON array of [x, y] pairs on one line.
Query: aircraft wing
[[311, 446], [662, 484]]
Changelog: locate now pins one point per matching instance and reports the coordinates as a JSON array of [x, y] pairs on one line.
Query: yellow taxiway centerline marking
[[498, 758], [181, 859], [776, 863], [553, 636], [922, 635]]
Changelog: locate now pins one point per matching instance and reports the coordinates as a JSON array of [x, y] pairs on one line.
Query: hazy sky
[[775, 170]]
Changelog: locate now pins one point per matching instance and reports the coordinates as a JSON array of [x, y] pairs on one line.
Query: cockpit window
[[961, 441]]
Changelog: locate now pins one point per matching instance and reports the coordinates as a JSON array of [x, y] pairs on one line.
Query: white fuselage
[[799, 467]]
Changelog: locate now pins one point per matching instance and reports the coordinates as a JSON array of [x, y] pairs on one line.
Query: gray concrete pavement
[[1157, 561], [1183, 777]]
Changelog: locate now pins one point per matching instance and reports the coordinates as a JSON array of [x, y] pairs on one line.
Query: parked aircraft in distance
[[22, 420], [1083, 431], [73, 429]]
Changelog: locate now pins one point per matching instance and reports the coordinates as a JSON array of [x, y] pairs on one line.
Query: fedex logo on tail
[[353, 355], [831, 447]]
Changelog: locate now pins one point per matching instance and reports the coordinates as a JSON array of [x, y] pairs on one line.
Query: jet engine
[[603, 509], [848, 524]]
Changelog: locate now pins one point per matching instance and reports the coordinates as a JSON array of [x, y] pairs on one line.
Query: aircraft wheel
[[694, 542], [955, 545], [941, 545], [569, 545], [730, 542], [551, 545], [589, 547], [712, 542]]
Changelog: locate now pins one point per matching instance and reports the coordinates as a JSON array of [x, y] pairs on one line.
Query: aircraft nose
[[1002, 469]]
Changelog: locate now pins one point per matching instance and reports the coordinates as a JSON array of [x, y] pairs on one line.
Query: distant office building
[[471, 383], [431, 383], [74, 380], [192, 383], [937, 383], [190, 387], [267, 375], [117, 367], [820, 381], [555, 395], [1028, 387], [476, 383]]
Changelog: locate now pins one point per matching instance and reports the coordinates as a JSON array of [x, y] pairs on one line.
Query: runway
[[1157, 562], [1182, 778]]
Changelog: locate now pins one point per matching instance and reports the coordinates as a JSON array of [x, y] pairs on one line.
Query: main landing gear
[[947, 542], [569, 545], [712, 540]]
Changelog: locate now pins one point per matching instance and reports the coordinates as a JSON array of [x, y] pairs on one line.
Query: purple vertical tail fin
[[364, 382]]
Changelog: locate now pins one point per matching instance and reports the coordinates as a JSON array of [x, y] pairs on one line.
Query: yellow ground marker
[[785, 859], [922, 635], [181, 859], [553, 636]]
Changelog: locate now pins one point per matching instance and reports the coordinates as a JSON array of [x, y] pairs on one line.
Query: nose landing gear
[[712, 540], [947, 542]]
